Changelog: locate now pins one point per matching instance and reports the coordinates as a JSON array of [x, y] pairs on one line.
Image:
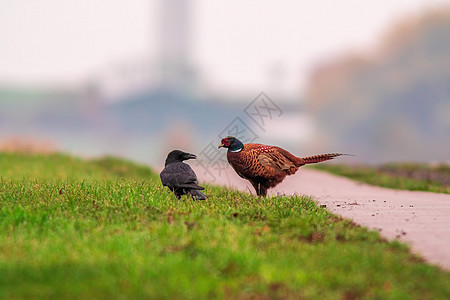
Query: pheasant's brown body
[[266, 166]]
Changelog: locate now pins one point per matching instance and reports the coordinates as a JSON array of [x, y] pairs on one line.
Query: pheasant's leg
[[260, 189], [255, 186]]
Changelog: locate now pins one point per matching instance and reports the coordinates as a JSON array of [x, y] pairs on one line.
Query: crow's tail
[[197, 195]]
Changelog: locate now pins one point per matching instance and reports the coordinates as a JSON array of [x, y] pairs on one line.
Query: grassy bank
[[71, 228]]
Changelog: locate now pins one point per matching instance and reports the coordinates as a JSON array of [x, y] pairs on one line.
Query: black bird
[[179, 177]]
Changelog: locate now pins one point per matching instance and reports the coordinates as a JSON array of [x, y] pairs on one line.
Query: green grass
[[407, 176], [106, 229]]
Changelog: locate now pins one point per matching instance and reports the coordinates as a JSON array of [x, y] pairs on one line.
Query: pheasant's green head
[[232, 143]]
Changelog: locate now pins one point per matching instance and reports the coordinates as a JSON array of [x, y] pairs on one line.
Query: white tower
[[175, 40]]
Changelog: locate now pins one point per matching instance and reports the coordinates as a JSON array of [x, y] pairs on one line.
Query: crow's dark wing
[[179, 175]]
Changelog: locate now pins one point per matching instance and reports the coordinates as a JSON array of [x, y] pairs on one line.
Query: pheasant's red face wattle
[[226, 142]]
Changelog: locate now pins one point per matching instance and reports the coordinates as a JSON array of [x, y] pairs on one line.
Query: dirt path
[[420, 219]]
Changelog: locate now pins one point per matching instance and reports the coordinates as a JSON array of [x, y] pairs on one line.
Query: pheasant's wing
[[179, 175], [275, 159]]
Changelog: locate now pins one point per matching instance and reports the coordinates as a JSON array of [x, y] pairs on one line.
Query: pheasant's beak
[[220, 146]]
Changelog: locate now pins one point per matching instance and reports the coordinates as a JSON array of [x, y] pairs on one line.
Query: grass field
[[406, 176], [106, 229]]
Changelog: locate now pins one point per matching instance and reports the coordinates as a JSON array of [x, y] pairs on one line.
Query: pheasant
[[265, 166], [179, 177]]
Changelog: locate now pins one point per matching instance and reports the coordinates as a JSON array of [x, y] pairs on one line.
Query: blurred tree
[[394, 104]]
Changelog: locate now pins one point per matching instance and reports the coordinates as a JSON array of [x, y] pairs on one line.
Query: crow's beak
[[220, 146], [190, 156]]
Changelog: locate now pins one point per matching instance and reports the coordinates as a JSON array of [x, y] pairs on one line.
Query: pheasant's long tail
[[317, 158]]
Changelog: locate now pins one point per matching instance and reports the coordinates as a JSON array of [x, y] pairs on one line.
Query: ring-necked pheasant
[[265, 166], [179, 177]]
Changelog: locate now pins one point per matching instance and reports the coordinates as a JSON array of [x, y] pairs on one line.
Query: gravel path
[[420, 219]]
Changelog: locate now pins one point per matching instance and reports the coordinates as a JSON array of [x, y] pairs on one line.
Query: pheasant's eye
[[226, 142]]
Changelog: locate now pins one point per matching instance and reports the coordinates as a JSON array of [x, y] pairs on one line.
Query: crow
[[179, 177]]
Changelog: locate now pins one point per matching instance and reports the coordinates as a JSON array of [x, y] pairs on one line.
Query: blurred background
[[138, 78]]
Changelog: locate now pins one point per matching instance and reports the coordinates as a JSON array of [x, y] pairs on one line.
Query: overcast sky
[[235, 43]]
